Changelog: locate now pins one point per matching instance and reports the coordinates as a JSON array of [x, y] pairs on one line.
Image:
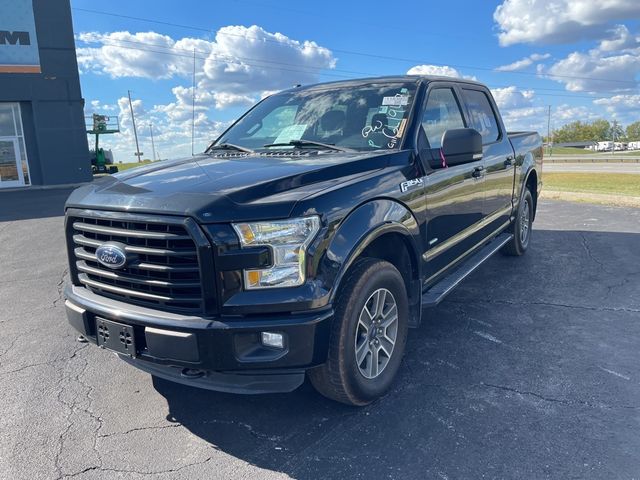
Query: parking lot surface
[[531, 369]]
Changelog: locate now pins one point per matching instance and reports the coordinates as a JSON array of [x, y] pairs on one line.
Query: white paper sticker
[[292, 132], [396, 101]]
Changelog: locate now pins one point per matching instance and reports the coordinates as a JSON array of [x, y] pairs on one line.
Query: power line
[[265, 64], [314, 70], [353, 52]]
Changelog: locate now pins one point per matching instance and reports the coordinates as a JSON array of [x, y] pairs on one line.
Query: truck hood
[[225, 188]]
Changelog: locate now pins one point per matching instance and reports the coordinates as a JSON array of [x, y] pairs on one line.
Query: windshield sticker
[[400, 131], [290, 133], [396, 101]]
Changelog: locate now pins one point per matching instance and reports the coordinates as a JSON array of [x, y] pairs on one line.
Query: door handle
[[478, 172], [509, 161]]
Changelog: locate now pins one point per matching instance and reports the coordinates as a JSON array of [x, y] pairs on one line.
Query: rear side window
[[441, 114], [483, 118]]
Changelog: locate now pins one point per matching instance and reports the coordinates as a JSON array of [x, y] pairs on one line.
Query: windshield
[[365, 117]]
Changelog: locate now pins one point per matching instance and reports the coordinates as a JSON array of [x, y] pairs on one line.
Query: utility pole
[[153, 145], [550, 148], [135, 132], [193, 105]]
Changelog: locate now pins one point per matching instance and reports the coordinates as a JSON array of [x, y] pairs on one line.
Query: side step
[[440, 290]]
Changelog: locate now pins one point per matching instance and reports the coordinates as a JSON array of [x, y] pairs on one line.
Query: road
[[592, 167], [529, 370]]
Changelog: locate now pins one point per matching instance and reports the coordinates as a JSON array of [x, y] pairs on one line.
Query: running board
[[444, 287]]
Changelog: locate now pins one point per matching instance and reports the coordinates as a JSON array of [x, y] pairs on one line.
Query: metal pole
[[153, 145], [193, 104], [135, 132], [549, 131]]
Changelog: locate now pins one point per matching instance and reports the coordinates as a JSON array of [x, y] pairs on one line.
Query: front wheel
[[521, 227], [368, 335]]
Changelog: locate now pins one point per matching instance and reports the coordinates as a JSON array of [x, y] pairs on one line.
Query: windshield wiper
[[228, 146], [309, 143]]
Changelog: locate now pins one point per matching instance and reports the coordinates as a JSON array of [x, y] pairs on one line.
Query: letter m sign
[[14, 38]]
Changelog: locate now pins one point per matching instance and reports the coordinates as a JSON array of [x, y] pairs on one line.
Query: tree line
[[596, 131]]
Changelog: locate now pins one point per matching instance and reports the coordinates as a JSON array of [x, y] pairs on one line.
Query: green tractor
[[102, 125]]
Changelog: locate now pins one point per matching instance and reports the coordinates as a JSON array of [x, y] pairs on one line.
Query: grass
[[601, 183], [127, 166], [569, 151]]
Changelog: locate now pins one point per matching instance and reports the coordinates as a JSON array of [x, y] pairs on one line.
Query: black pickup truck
[[305, 240]]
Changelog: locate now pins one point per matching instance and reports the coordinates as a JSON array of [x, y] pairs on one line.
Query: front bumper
[[223, 354]]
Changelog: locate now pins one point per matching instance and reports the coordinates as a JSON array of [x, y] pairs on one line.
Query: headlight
[[288, 240]]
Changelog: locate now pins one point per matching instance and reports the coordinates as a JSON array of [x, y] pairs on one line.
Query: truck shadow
[[502, 332]]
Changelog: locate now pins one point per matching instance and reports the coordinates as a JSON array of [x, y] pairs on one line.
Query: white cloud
[[439, 70], [563, 114], [559, 21], [240, 59], [601, 69], [621, 39], [523, 63], [124, 54], [518, 108], [248, 60], [99, 107], [625, 108], [512, 98]]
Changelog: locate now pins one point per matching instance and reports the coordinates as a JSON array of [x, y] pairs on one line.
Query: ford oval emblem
[[111, 255]]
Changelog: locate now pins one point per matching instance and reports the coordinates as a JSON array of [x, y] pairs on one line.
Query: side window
[[441, 114], [483, 118]]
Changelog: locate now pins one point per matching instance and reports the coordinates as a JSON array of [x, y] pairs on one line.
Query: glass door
[[10, 163]]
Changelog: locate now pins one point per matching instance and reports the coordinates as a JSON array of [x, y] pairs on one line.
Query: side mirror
[[461, 145]]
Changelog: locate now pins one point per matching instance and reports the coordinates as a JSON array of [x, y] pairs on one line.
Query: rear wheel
[[368, 335], [521, 227]]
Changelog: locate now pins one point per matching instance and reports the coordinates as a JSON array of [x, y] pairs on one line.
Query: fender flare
[[359, 229], [528, 165]]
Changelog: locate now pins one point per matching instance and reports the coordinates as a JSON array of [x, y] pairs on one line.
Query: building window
[[14, 166]]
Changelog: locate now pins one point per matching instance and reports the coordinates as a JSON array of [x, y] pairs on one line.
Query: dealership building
[[43, 137]]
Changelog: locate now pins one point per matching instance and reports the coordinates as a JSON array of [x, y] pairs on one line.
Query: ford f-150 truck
[[306, 240]]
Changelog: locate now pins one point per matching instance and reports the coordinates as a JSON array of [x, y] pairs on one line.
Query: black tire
[[520, 242], [341, 378]]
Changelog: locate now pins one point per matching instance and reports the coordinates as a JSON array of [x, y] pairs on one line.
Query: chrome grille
[[165, 273]]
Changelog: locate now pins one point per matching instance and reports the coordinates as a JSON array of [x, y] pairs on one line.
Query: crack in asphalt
[[11, 345], [60, 287], [138, 429], [587, 249], [72, 407], [138, 472], [31, 365], [561, 401], [546, 304]]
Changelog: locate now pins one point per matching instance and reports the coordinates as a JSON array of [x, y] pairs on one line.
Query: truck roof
[[384, 79]]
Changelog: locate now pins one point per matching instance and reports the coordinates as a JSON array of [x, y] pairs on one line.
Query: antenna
[[153, 145], [193, 104], [135, 132]]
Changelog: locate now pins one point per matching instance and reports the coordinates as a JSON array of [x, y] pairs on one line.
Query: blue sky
[[578, 56]]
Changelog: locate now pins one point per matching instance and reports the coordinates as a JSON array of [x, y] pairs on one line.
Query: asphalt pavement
[[529, 370]]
